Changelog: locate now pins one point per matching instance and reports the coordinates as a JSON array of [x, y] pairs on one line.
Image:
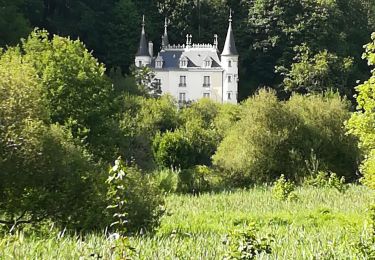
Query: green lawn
[[322, 224]]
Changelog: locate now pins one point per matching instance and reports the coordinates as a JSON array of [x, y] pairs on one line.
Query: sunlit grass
[[321, 224]]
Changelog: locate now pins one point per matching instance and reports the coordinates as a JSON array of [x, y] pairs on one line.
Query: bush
[[326, 180], [323, 134], [135, 201], [166, 180], [173, 149], [365, 248], [48, 176], [283, 189], [273, 138], [244, 244], [140, 120], [195, 180], [259, 148], [45, 173]]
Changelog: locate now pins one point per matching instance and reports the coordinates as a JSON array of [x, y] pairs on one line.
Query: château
[[191, 71]]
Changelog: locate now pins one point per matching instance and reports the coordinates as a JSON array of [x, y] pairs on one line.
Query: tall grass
[[321, 224]]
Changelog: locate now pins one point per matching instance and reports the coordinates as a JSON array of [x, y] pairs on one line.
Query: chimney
[[151, 49]]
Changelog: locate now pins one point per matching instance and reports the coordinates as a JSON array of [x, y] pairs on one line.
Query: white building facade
[[193, 71]]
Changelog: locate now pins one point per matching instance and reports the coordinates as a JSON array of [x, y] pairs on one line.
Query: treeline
[[63, 122], [287, 45]]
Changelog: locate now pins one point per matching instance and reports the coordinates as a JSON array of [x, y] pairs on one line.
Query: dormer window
[[207, 62], [183, 62], [159, 62]]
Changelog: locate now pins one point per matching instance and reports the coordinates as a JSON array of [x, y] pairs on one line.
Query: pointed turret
[[230, 45], [143, 46], [229, 62], [165, 40], [143, 56]]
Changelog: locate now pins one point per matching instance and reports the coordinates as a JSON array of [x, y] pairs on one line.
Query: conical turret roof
[[230, 45], [143, 46]]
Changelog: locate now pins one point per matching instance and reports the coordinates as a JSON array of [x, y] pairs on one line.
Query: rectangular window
[[206, 95], [229, 95], [182, 81], [139, 63], [181, 97], [230, 63], [206, 81], [229, 78], [158, 83]]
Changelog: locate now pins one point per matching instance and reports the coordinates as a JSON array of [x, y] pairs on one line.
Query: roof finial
[[143, 21], [230, 45], [215, 41], [165, 25], [165, 40]]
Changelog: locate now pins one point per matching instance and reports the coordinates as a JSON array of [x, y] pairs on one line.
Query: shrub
[[273, 138], [172, 149], [195, 180], [134, 198], [365, 248], [140, 120], [259, 148], [326, 180], [166, 180], [283, 189], [244, 244], [323, 134], [48, 176]]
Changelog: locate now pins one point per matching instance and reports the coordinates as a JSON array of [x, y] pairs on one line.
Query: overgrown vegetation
[[323, 223], [64, 119]]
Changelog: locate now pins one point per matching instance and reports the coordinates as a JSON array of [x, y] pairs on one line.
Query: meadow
[[321, 224]]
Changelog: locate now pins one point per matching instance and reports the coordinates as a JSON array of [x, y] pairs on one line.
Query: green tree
[[323, 134], [276, 27], [140, 118], [273, 138], [13, 23], [44, 172], [317, 73], [362, 122], [257, 148]]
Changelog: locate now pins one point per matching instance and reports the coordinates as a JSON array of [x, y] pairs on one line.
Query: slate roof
[[143, 45], [196, 58], [230, 45]]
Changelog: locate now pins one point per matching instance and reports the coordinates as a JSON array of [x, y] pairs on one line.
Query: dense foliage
[[362, 122], [44, 172], [267, 31], [64, 117], [280, 137]]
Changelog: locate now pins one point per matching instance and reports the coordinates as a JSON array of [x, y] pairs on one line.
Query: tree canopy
[[266, 31]]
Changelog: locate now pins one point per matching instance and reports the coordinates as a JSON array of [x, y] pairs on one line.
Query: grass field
[[321, 224]]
